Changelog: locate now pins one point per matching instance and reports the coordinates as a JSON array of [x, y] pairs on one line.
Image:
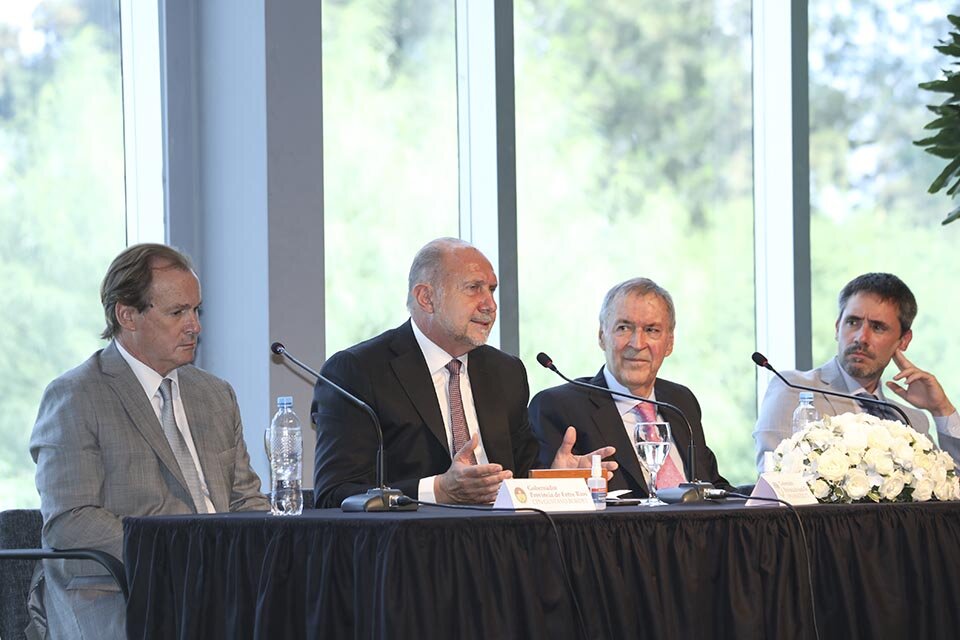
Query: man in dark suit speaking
[[453, 410], [637, 320]]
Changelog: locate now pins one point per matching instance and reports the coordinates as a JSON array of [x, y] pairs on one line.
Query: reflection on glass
[[634, 158], [390, 154], [868, 182], [61, 204]]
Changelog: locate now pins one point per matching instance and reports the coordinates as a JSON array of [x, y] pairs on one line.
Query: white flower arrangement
[[856, 457]]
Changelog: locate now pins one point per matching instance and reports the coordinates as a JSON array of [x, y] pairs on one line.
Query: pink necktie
[[458, 419], [669, 475]]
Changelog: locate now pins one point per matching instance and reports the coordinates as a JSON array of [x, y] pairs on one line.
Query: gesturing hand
[[468, 483], [566, 459], [923, 390]]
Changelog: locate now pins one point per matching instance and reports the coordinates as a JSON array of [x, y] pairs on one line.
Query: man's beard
[[462, 334], [861, 371]]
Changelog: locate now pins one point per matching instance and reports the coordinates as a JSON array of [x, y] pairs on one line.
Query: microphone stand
[[686, 491], [381, 497], [761, 361]]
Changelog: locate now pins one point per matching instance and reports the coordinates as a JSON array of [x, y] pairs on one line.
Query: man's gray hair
[[427, 266], [639, 287]]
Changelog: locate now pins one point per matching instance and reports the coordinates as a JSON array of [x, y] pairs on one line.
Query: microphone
[[761, 361], [687, 491], [381, 497]]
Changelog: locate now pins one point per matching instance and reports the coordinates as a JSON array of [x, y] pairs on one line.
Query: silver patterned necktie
[[187, 467], [458, 419]]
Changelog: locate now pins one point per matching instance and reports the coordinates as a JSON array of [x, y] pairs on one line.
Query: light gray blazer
[[776, 411], [101, 455]]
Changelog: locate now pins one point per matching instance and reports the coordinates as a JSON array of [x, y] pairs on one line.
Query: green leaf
[[953, 215], [945, 175]]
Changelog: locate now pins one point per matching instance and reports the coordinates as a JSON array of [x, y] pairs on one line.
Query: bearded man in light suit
[[874, 326], [134, 430]]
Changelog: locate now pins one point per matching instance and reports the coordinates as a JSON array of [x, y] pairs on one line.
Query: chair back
[[19, 529]]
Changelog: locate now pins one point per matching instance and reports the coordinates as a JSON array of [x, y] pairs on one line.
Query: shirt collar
[[148, 378], [854, 387], [435, 356], [624, 405]]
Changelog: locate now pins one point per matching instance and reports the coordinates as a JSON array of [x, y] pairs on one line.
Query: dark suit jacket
[[389, 373], [598, 424]]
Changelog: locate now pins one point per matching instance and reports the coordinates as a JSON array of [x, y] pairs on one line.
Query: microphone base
[[686, 492], [377, 499]]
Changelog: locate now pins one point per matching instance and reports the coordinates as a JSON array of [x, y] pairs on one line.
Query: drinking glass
[[652, 440]]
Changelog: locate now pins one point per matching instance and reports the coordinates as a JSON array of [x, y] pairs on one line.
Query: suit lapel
[[609, 422], [411, 371], [138, 407], [492, 421], [199, 419], [831, 378]]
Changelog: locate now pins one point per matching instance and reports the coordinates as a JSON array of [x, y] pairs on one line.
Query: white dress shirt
[[150, 381], [437, 360]]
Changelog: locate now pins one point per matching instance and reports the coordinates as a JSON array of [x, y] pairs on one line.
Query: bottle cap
[[595, 469], [806, 396], [284, 401]]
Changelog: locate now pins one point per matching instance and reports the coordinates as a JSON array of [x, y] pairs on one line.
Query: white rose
[[820, 489], [832, 465], [855, 438], [938, 474], [922, 441], [878, 460], [818, 436], [892, 486], [943, 490], [902, 453], [792, 462], [856, 484], [924, 461], [878, 437], [944, 458], [922, 489]]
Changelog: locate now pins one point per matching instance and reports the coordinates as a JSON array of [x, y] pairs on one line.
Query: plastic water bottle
[[286, 460], [805, 413]]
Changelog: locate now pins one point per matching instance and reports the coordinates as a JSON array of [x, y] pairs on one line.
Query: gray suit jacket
[[776, 412], [101, 455]]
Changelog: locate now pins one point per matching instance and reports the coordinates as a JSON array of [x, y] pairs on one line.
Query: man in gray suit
[[874, 326], [134, 430]]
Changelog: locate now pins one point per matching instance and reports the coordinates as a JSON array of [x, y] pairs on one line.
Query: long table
[[712, 571]]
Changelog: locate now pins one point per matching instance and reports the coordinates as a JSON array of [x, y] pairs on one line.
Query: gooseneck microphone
[[687, 491], [761, 361], [381, 497]]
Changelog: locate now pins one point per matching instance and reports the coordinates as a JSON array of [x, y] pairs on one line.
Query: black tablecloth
[[714, 571]]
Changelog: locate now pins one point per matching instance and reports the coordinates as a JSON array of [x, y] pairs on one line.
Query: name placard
[[555, 494], [789, 487]]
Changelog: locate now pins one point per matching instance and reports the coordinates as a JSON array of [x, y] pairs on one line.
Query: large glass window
[[634, 158], [870, 206], [390, 154], [61, 204]]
